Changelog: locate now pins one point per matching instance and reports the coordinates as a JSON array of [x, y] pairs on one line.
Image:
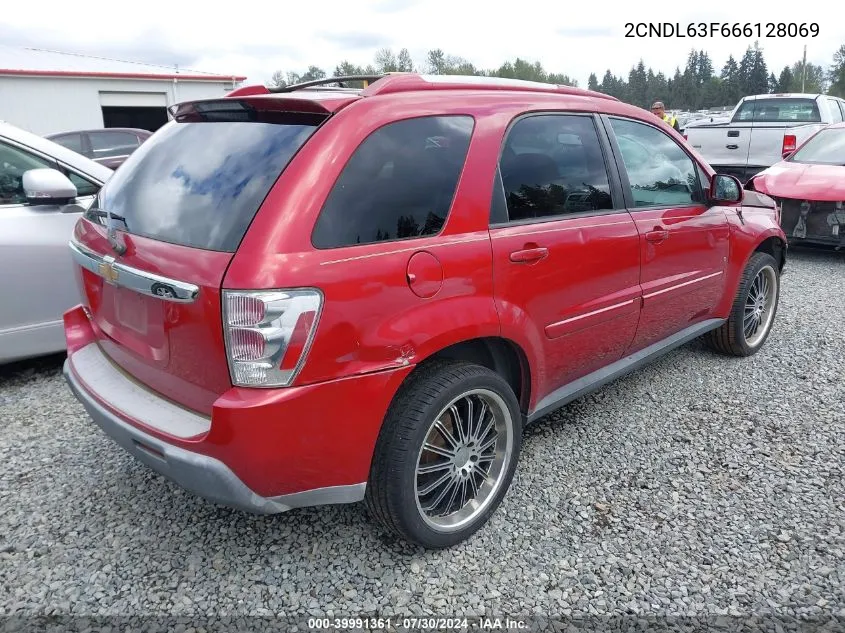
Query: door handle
[[656, 236], [529, 255], [733, 133], [732, 146]]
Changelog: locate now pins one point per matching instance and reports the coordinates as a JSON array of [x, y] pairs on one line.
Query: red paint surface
[[602, 289]]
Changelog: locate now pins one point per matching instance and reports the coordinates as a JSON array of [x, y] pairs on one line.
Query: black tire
[[391, 495], [730, 338]]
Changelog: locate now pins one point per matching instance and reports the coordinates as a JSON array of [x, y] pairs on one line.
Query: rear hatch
[[178, 209]]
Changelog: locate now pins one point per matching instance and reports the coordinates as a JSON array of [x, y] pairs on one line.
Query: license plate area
[[131, 310]]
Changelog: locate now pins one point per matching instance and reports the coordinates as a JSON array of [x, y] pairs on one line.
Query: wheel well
[[775, 247], [499, 355]]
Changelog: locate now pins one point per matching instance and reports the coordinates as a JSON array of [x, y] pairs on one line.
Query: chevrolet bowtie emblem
[[108, 272]]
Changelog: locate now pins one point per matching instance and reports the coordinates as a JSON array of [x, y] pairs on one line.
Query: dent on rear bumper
[[202, 474]]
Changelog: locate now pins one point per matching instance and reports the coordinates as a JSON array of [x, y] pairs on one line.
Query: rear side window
[[552, 165], [71, 141], [399, 183], [200, 184], [108, 144], [779, 111]]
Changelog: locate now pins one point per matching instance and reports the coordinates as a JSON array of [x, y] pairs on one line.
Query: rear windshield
[[199, 184], [779, 111], [825, 148]]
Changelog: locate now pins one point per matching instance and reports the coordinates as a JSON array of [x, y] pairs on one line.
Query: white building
[[47, 92]]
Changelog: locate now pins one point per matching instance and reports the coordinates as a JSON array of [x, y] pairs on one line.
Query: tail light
[[789, 143], [268, 334]]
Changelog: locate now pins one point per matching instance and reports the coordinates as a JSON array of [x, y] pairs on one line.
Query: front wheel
[[754, 309], [446, 454]]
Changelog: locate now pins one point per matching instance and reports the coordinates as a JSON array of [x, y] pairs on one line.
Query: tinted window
[[779, 111], [107, 144], [660, 172], [552, 165], [84, 187], [399, 183], [13, 163], [825, 148], [72, 141], [200, 184]]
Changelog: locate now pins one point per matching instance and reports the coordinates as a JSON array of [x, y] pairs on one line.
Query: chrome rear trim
[[125, 276]]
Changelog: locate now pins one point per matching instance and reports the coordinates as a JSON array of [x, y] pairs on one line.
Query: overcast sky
[[257, 37]]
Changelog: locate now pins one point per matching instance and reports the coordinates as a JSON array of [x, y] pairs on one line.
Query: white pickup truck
[[761, 130]]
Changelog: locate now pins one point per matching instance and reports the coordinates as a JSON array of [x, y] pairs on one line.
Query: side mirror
[[48, 186], [725, 189]]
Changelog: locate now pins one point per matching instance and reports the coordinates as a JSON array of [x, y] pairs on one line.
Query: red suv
[[318, 295]]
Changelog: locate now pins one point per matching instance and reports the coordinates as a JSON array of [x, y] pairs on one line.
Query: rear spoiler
[[258, 106]]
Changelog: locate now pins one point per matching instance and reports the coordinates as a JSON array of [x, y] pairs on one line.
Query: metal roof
[[37, 62]]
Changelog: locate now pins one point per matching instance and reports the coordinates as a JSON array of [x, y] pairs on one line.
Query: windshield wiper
[[118, 245], [108, 214]]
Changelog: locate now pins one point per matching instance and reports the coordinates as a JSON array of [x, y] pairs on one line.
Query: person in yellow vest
[[658, 109]]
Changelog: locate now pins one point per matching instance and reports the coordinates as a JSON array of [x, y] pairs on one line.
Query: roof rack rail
[[410, 82], [367, 79]]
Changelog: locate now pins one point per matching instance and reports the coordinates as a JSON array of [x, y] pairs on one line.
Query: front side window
[[399, 183], [659, 171], [552, 165], [13, 163]]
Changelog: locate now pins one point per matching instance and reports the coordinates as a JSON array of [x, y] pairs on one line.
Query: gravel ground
[[699, 486]]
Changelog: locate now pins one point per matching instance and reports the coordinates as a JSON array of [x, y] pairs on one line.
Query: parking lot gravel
[[701, 485]]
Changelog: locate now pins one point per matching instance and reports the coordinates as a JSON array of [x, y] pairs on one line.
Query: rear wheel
[[754, 309], [446, 454]]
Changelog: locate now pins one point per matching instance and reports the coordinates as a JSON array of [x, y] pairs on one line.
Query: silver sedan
[[44, 189]]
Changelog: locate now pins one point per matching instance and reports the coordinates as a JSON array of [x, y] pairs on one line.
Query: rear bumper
[[262, 450], [203, 475]]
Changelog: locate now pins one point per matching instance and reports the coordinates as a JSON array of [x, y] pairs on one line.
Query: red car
[[809, 187], [319, 295]]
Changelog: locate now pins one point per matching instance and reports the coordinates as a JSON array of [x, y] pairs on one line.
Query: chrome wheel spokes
[[759, 306], [463, 459]]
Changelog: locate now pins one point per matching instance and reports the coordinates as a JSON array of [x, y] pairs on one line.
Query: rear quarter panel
[[371, 320]]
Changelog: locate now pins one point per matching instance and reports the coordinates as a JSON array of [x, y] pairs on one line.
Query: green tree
[[593, 82], [638, 85], [278, 80], [313, 73], [437, 63], [809, 79], [404, 63], [773, 83], [785, 80], [386, 61], [837, 73], [732, 90]]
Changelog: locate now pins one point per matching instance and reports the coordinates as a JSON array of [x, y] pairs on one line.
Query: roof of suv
[[332, 98]]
